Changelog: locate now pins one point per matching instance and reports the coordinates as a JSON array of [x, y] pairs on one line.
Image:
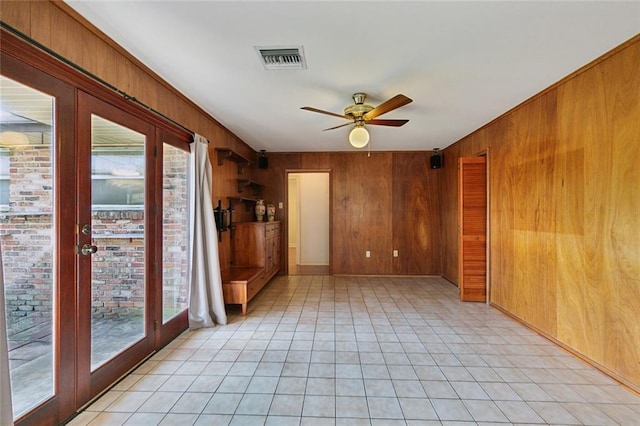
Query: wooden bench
[[241, 283]]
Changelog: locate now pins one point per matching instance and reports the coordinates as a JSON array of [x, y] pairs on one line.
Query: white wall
[[293, 213], [313, 193]]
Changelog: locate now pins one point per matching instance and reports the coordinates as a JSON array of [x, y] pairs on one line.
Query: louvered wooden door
[[473, 229]]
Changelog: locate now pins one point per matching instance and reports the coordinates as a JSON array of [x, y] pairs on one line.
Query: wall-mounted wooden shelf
[[248, 202], [228, 154], [253, 186]]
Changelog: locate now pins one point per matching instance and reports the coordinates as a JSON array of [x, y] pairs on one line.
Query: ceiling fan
[[360, 114]]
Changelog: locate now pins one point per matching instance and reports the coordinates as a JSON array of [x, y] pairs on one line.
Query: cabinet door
[[276, 253], [269, 255], [249, 245]]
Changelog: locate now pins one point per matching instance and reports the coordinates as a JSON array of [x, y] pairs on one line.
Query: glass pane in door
[[118, 236], [175, 231], [27, 240]]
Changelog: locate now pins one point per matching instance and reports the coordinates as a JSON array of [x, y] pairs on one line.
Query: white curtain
[[206, 302], [6, 411]]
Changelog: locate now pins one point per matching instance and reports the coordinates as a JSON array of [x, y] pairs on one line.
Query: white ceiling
[[462, 63]]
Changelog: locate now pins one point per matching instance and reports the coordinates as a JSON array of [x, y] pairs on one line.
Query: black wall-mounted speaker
[[436, 161], [263, 162]]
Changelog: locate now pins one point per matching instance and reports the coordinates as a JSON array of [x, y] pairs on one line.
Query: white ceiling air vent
[[282, 58]]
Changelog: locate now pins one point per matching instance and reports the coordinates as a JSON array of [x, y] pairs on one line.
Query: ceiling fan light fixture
[[360, 113], [359, 137]]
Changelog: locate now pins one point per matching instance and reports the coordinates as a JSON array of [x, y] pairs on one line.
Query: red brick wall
[[26, 236], [175, 228]]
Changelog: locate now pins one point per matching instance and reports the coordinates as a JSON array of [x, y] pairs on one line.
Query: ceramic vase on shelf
[[271, 212], [260, 210]]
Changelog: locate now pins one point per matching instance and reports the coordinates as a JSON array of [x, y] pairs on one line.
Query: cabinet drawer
[[272, 229], [253, 287], [234, 293]]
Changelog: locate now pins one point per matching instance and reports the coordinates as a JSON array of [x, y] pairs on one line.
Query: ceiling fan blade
[[324, 112], [337, 127], [394, 123], [396, 102]]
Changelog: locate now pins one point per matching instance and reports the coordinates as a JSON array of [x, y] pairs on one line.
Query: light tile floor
[[322, 350]]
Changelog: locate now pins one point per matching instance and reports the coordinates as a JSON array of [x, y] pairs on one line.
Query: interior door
[[473, 229], [115, 240]]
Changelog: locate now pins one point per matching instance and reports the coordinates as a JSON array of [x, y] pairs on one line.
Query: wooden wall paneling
[[187, 114], [99, 58], [478, 143], [507, 231], [624, 111], [521, 226], [534, 222], [449, 212], [316, 160], [501, 211], [274, 179], [348, 238], [131, 79], [40, 21], [18, 16], [573, 288], [416, 214], [346, 178], [67, 36], [595, 303], [362, 213], [604, 123], [564, 171], [175, 110]]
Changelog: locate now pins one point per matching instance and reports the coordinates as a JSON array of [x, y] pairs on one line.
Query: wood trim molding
[[632, 387]]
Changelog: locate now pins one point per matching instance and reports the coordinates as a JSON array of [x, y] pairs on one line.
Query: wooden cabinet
[[255, 260], [240, 284], [272, 248]]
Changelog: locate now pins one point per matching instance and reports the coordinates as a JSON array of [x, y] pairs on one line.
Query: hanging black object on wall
[[220, 216], [436, 161], [263, 162]]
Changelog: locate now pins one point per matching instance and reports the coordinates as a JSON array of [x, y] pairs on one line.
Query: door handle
[[88, 249]]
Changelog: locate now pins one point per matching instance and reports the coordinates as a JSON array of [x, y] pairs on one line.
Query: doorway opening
[[308, 230]]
